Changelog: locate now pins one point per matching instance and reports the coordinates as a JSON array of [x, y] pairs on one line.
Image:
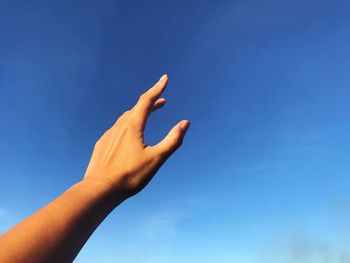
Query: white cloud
[[162, 225]]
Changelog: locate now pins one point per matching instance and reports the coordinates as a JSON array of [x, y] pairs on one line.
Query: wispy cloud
[[160, 232], [162, 225]]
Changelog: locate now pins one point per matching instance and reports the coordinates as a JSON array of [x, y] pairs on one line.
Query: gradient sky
[[263, 173]]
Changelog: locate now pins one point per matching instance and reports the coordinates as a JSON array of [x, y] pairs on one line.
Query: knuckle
[[177, 146], [130, 127], [158, 156], [178, 142], [154, 154], [122, 118], [145, 97], [97, 144], [126, 113]]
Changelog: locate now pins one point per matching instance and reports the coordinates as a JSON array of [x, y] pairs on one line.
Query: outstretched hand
[[121, 165], [121, 158]]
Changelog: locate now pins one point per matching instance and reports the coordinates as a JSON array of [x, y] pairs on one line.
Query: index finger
[[144, 106]]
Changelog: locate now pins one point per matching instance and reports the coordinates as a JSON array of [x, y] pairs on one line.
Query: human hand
[[121, 158]]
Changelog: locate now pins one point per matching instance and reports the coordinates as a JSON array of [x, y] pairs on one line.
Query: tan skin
[[121, 165]]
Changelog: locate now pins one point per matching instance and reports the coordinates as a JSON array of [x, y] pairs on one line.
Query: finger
[[146, 101], [172, 141], [158, 104]]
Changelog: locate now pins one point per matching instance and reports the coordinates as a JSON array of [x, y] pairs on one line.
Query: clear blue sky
[[263, 174]]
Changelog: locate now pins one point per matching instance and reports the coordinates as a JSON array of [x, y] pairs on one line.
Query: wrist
[[103, 191]]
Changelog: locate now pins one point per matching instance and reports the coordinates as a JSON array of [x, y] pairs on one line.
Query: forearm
[[58, 231]]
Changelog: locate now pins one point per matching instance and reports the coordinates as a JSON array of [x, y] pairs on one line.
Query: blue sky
[[263, 174]]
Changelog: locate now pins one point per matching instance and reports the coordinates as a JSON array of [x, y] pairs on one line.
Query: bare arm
[[121, 165]]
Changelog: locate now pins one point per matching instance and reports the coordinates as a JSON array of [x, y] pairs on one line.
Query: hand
[[121, 158]]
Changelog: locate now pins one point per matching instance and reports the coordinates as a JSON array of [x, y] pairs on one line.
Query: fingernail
[[163, 77], [185, 125]]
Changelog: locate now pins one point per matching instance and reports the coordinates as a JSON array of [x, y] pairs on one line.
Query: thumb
[[172, 140]]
